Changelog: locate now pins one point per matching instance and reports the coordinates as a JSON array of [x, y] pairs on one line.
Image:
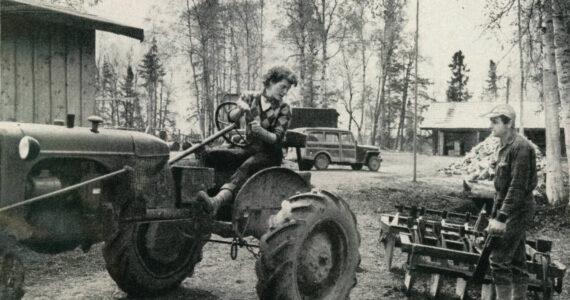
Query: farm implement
[[455, 245]]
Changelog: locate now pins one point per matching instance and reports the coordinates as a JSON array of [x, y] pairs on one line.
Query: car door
[[348, 154], [332, 145]]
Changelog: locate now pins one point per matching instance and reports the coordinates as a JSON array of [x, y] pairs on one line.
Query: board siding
[[88, 78], [58, 76], [42, 62], [8, 72], [73, 66], [24, 74], [47, 71]]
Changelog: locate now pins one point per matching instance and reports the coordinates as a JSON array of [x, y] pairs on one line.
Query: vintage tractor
[[62, 187]]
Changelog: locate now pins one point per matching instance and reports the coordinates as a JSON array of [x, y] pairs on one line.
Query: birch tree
[[560, 12], [555, 190]]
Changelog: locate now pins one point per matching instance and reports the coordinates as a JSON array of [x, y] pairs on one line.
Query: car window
[[315, 137], [346, 139], [331, 138]]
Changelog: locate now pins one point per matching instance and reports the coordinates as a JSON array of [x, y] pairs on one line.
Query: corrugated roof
[[69, 17], [467, 115]]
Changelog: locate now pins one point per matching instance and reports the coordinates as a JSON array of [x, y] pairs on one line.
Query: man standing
[[513, 209]]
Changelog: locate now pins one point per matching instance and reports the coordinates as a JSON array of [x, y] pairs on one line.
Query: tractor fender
[[261, 196]]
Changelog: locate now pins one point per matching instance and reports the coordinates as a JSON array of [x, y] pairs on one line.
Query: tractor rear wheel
[[310, 250], [151, 258]]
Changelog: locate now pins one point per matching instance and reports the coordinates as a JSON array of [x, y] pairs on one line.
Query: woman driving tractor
[[267, 118]]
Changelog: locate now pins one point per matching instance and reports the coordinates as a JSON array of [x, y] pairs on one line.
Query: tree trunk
[[194, 74], [363, 93], [324, 100], [555, 190], [400, 139], [562, 58]]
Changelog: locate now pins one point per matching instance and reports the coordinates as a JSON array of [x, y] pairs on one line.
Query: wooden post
[[460, 287], [441, 141], [434, 285], [416, 91], [409, 280], [389, 244], [488, 292]]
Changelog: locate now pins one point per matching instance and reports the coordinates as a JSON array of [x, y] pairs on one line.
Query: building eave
[[68, 17]]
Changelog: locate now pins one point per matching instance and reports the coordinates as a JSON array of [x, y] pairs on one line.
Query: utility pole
[[416, 92], [508, 88], [521, 124]]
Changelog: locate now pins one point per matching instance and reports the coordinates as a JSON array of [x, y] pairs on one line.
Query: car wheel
[[373, 163], [356, 166], [305, 165], [322, 162]]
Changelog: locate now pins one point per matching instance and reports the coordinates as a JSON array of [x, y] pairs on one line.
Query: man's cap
[[501, 110]]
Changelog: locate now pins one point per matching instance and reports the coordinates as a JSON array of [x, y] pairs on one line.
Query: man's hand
[[243, 106], [496, 227], [256, 128], [261, 133]]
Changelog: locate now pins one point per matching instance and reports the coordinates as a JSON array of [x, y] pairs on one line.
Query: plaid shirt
[[275, 118], [515, 177]]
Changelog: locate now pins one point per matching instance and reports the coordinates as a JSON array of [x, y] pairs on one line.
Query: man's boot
[[212, 204], [519, 291], [503, 291]]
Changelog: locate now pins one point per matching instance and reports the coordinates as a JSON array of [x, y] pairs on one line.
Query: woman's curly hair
[[277, 74]]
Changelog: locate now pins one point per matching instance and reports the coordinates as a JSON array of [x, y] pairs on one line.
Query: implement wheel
[[310, 250]]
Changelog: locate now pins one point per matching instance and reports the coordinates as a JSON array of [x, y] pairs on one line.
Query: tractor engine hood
[[82, 141]]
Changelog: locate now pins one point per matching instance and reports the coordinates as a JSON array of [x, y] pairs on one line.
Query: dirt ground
[[78, 275]]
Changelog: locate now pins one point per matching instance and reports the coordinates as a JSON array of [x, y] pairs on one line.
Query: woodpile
[[478, 164]]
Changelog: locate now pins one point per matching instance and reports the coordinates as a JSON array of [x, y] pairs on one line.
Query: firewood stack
[[479, 162]]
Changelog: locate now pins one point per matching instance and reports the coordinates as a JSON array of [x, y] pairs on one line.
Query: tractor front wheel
[[310, 250], [150, 258]]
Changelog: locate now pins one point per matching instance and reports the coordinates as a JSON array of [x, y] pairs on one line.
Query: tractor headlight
[[29, 148]]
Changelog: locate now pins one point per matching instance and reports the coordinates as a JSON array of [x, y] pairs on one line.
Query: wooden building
[[458, 126], [48, 61]]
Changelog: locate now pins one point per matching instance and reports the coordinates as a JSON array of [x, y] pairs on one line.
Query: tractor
[[63, 187]]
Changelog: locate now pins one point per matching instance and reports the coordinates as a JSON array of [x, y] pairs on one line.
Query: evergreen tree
[[109, 109], [457, 91], [152, 72], [491, 89], [131, 113]]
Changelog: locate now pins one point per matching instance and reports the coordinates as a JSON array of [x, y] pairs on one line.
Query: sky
[[446, 26]]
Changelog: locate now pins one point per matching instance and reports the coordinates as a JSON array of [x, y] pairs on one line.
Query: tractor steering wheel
[[223, 121]]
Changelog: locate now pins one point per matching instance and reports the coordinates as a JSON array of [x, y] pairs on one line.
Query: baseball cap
[[501, 110]]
